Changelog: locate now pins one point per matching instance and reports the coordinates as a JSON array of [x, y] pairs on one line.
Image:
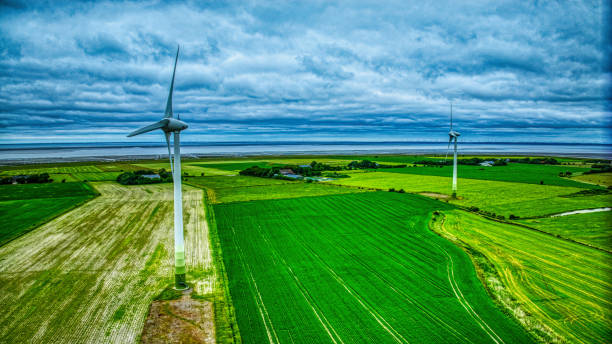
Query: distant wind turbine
[[170, 125], [453, 135]]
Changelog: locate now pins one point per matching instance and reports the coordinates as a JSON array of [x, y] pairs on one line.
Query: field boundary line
[[559, 237], [52, 217]]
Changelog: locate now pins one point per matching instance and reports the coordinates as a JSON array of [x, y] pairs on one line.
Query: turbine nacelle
[[453, 133], [174, 125]]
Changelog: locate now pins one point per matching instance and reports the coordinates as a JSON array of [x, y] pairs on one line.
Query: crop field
[[311, 262], [90, 275], [591, 228], [519, 173], [353, 268], [505, 198], [244, 188], [551, 283]]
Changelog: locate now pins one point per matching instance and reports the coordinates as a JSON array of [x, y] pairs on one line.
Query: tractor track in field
[[313, 305], [369, 308], [261, 307], [406, 296]]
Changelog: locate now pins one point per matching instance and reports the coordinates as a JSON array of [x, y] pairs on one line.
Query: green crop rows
[[353, 268]]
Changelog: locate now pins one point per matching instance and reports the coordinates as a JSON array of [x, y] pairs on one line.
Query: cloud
[[264, 70]]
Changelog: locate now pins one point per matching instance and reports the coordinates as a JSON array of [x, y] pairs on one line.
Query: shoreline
[[264, 154]]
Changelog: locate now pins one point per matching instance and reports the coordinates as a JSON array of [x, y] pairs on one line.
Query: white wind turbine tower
[[453, 135], [171, 125]]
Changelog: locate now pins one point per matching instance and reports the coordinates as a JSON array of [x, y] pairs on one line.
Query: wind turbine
[[453, 135], [170, 125]]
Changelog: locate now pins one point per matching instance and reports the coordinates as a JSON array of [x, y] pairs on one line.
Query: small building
[[305, 166], [487, 163], [286, 171]]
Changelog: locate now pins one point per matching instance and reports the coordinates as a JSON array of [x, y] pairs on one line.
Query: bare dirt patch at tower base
[[185, 320]]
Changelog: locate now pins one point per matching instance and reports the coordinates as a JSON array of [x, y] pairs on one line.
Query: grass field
[[550, 281], [49, 169], [518, 173], [191, 168], [243, 188], [592, 228], [353, 268], [96, 176], [505, 198], [90, 275], [47, 190], [603, 179]]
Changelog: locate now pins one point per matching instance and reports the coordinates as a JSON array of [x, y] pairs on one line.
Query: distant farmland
[[353, 268]]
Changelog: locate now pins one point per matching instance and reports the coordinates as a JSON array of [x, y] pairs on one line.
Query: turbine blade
[[148, 128], [169, 103], [448, 148], [167, 134]]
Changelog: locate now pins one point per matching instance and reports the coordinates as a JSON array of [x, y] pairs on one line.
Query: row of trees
[[599, 168], [312, 170], [542, 161], [27, 179], [138, 177], [367, 164]]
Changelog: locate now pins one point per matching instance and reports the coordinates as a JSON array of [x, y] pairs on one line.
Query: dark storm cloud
[[307, 70]]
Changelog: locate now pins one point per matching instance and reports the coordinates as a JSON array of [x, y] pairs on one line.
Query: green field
[[513, 172], [48, 190], [96, 176], [89, 276], [353, 268], [505, 198], [603, 179], [547, 282], [592, 228], [191, 168], [243, 188], [49, 169], [311, 262]]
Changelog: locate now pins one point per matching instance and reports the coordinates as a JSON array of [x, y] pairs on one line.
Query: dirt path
[[185, 320], [90, 275]]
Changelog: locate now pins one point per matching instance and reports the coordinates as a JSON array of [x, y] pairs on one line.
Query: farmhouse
[[286, 171], [487, 163]]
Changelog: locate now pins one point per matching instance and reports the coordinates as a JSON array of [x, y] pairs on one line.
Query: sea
[[37, 152]]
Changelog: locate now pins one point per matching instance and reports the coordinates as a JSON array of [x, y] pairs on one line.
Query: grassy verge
[[558, 289], [491, 280], [226, 326]]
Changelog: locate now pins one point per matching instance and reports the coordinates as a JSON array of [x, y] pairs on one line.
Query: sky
[[520, 71]]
